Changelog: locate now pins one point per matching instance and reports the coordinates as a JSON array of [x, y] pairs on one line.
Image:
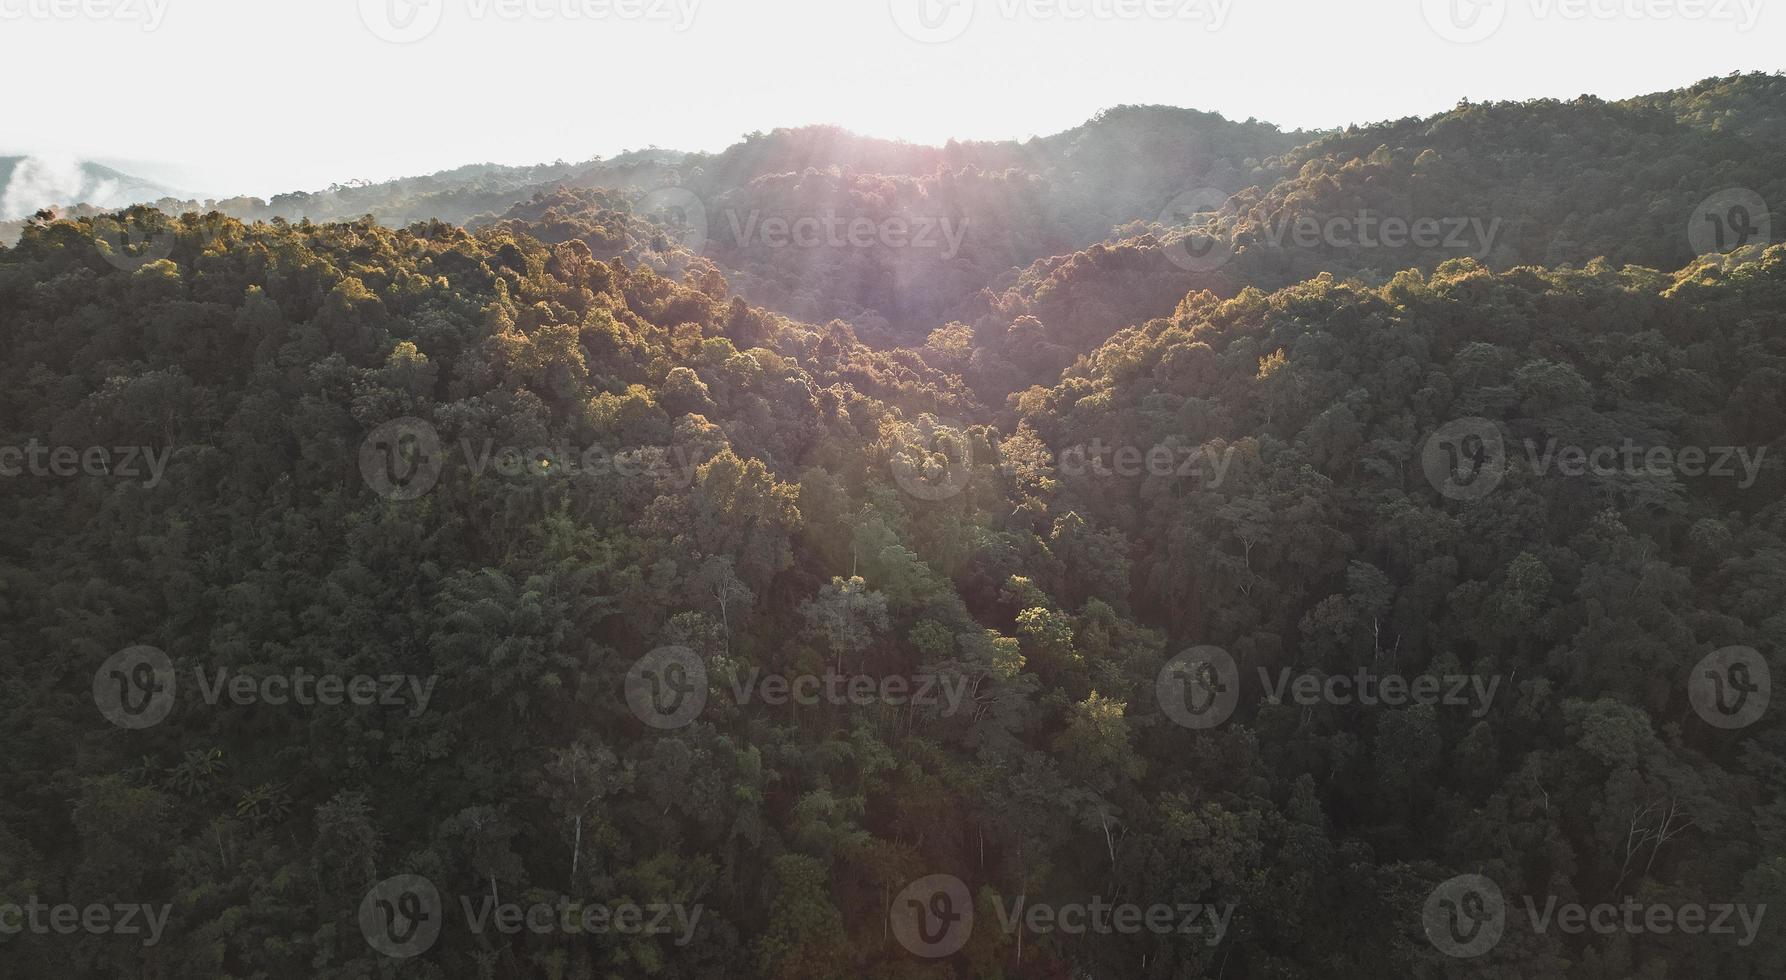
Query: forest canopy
[[870, 611]]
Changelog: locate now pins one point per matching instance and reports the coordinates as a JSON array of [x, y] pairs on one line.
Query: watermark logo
[[1465, 236], [402, 21], [1203, 247], [1200, 463], [124, 462], [938, 21], [832, 230], [1465, 916], [408, 21], [939, 464], [134, 688], [401, 917], [1465, 21], [932, 21], [565, 461], [401, 459], [121, 919], [1200, 688], [1633, 460], [1730, 689], [1742, 13], [1633, 918], [579, 918], [682, 214], [134, 240], [945, 693], [1465, 459], [667, 688], [149, 13], [933, 916], [405, 460], [1729, 220], [1472, 691], [1196, 251], [304, 688], [679, 14], [1471, 21], [1103, 917]]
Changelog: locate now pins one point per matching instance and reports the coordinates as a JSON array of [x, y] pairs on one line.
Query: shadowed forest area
[[1171, 548]]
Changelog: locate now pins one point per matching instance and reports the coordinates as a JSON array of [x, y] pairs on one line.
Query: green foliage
[[744, 505]]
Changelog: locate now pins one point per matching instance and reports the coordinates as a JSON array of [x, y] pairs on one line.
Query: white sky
[[259, 96]]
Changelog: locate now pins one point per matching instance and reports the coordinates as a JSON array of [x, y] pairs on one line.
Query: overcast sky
[[258, 96]]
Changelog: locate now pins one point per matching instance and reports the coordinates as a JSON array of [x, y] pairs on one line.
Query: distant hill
[[939, 223], [1543, 182], [32, 183], [1079, 234]]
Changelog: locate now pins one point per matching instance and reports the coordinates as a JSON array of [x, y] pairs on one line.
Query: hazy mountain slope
[[996, 234], [896, 236], [28, 184], [1565, 181], [1652, 181]]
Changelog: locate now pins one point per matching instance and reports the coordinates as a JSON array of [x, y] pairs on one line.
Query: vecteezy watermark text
[[1208, 249], [668, 688], [1128, 462], [933, 917], [117, 919], [680, 14], [1472, 691], [938, 21], [406, 21], [1102, 917], [1466, 235], [1470, 21], [832, 230], [1631, 459], [574, 918], [1466, 459], [940, 463], [403, 460], [147, 12], [136, 688], [403, 917], [1200, 688], [124, 462], [1466, 916], [565, 460]]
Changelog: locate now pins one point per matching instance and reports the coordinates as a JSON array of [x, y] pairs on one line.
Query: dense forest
[[1145, 557]]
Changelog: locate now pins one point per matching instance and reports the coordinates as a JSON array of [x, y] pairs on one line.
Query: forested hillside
[[1105, 540], [1543, 183], [1047, 248]]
